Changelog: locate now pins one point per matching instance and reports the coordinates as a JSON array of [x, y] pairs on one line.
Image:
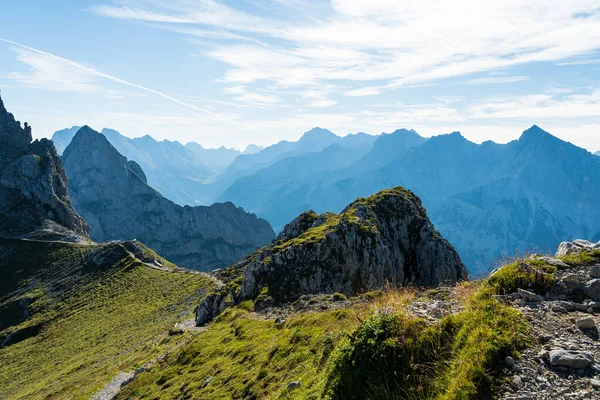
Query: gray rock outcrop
[[111, 193], [33, 185], [571, 358], [576, 246], [386, 238]]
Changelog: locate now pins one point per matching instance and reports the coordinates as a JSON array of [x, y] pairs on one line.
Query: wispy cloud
[[46, 73], [51, 70], [491, 80], [579, 62], [539, 106], [383, 44]]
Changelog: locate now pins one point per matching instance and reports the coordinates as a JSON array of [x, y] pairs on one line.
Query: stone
[[517, 382], [595, 383], [553, 261], [572, 279], [201, 237], [586, 323], [595, 271], [529, 296], [509, 361], [571, 358], [294, 385], [592, 289], [576, 246], [175, 331]]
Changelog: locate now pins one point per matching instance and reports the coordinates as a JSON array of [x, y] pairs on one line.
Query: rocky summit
[[33, 185], [112, 195], [383, 239]]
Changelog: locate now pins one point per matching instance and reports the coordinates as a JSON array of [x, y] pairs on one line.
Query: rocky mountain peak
[[112, 194], [535, 134], [298, 226], [12, 135], [33, 185], [317, 132], [385, 238]]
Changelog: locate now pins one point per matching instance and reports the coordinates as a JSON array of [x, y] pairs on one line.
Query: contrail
[[115, 79]]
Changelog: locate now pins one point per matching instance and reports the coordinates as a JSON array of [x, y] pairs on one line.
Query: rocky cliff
[[111, 193], [33, 185], [384, 238]]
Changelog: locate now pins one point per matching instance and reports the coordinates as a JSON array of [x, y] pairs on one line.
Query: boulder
[[571, 359], [586, 323], [576, 246], [592, 289], [529, 296], [595, 271]]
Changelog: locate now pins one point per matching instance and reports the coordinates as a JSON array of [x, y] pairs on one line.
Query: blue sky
[[241, 72]]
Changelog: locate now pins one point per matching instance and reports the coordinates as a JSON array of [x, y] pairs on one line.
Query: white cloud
[[46, 73], [497, 80], [387, 42], [538, 106]]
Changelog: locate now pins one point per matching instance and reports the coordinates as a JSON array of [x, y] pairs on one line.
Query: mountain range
[[174, 169], [490, 200]]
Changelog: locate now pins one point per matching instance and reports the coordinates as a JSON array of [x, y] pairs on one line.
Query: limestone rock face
[[384, 238], [111, 193], [576, 246], [33, 184]]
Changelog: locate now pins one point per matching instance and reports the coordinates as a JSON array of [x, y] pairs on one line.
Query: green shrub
[[388, 354], [583, 258], [339, 296], [510, 277]]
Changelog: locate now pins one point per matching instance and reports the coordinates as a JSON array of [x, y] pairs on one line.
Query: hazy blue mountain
[[217, 159], [280, 189], [488, 199], [63, 137], [252, 148], [289, 178], [312, 141], [175, 170], [597, 153]]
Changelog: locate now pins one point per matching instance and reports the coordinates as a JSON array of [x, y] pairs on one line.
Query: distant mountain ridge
[[111, 193], [175, 170], [487, 200]]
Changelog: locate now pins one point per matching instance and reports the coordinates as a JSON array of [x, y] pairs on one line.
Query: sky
[[259, 71]]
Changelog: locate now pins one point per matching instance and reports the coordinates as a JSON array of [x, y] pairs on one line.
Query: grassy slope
[[356, 352], [247, 357], [93, 311]]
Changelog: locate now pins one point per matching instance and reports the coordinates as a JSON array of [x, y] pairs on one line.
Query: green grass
[[583, 258], [350, 353], [393, 356], [509, 278], [246, 356], [93, 311]]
